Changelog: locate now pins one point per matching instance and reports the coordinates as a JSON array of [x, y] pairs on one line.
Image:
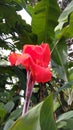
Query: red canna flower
[[34, 58]]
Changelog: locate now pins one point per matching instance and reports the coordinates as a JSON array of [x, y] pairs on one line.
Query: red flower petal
[[46, 54], [13, 57], [42, 74], [39, 53], [35, 52], [26, 61]]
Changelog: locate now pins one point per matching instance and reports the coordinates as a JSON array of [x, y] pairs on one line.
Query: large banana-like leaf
[[44, 19], [38, 118]]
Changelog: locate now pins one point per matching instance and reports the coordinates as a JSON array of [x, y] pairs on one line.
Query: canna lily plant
[[35, 59]]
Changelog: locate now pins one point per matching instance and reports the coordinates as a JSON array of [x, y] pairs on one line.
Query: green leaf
[[65, 32], [6, 69], [2, 112], [21, 73], [38, 118], [8, 124], [9, 106], [59, 53], [65, 116], [65, 121], [44, 19], [46, 115], [60, 69], [59, 56], [61, 124], [64, 15], [56, 105], [15, 114], [69, 124], [64, 28], [70, 74], [20, 4], [65, 86], [29, 122], [9, 13]]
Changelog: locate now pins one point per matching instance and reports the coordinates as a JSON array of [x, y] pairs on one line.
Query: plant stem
[[29, 87]]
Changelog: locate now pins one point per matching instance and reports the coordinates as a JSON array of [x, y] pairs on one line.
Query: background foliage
[[51, 24]]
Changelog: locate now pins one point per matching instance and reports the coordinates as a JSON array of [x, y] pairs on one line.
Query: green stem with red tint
[[29, 87]]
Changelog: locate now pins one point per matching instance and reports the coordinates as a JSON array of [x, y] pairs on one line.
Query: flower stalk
[[29, 87]]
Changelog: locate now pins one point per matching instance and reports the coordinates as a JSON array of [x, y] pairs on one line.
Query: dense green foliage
[[49, 24]]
